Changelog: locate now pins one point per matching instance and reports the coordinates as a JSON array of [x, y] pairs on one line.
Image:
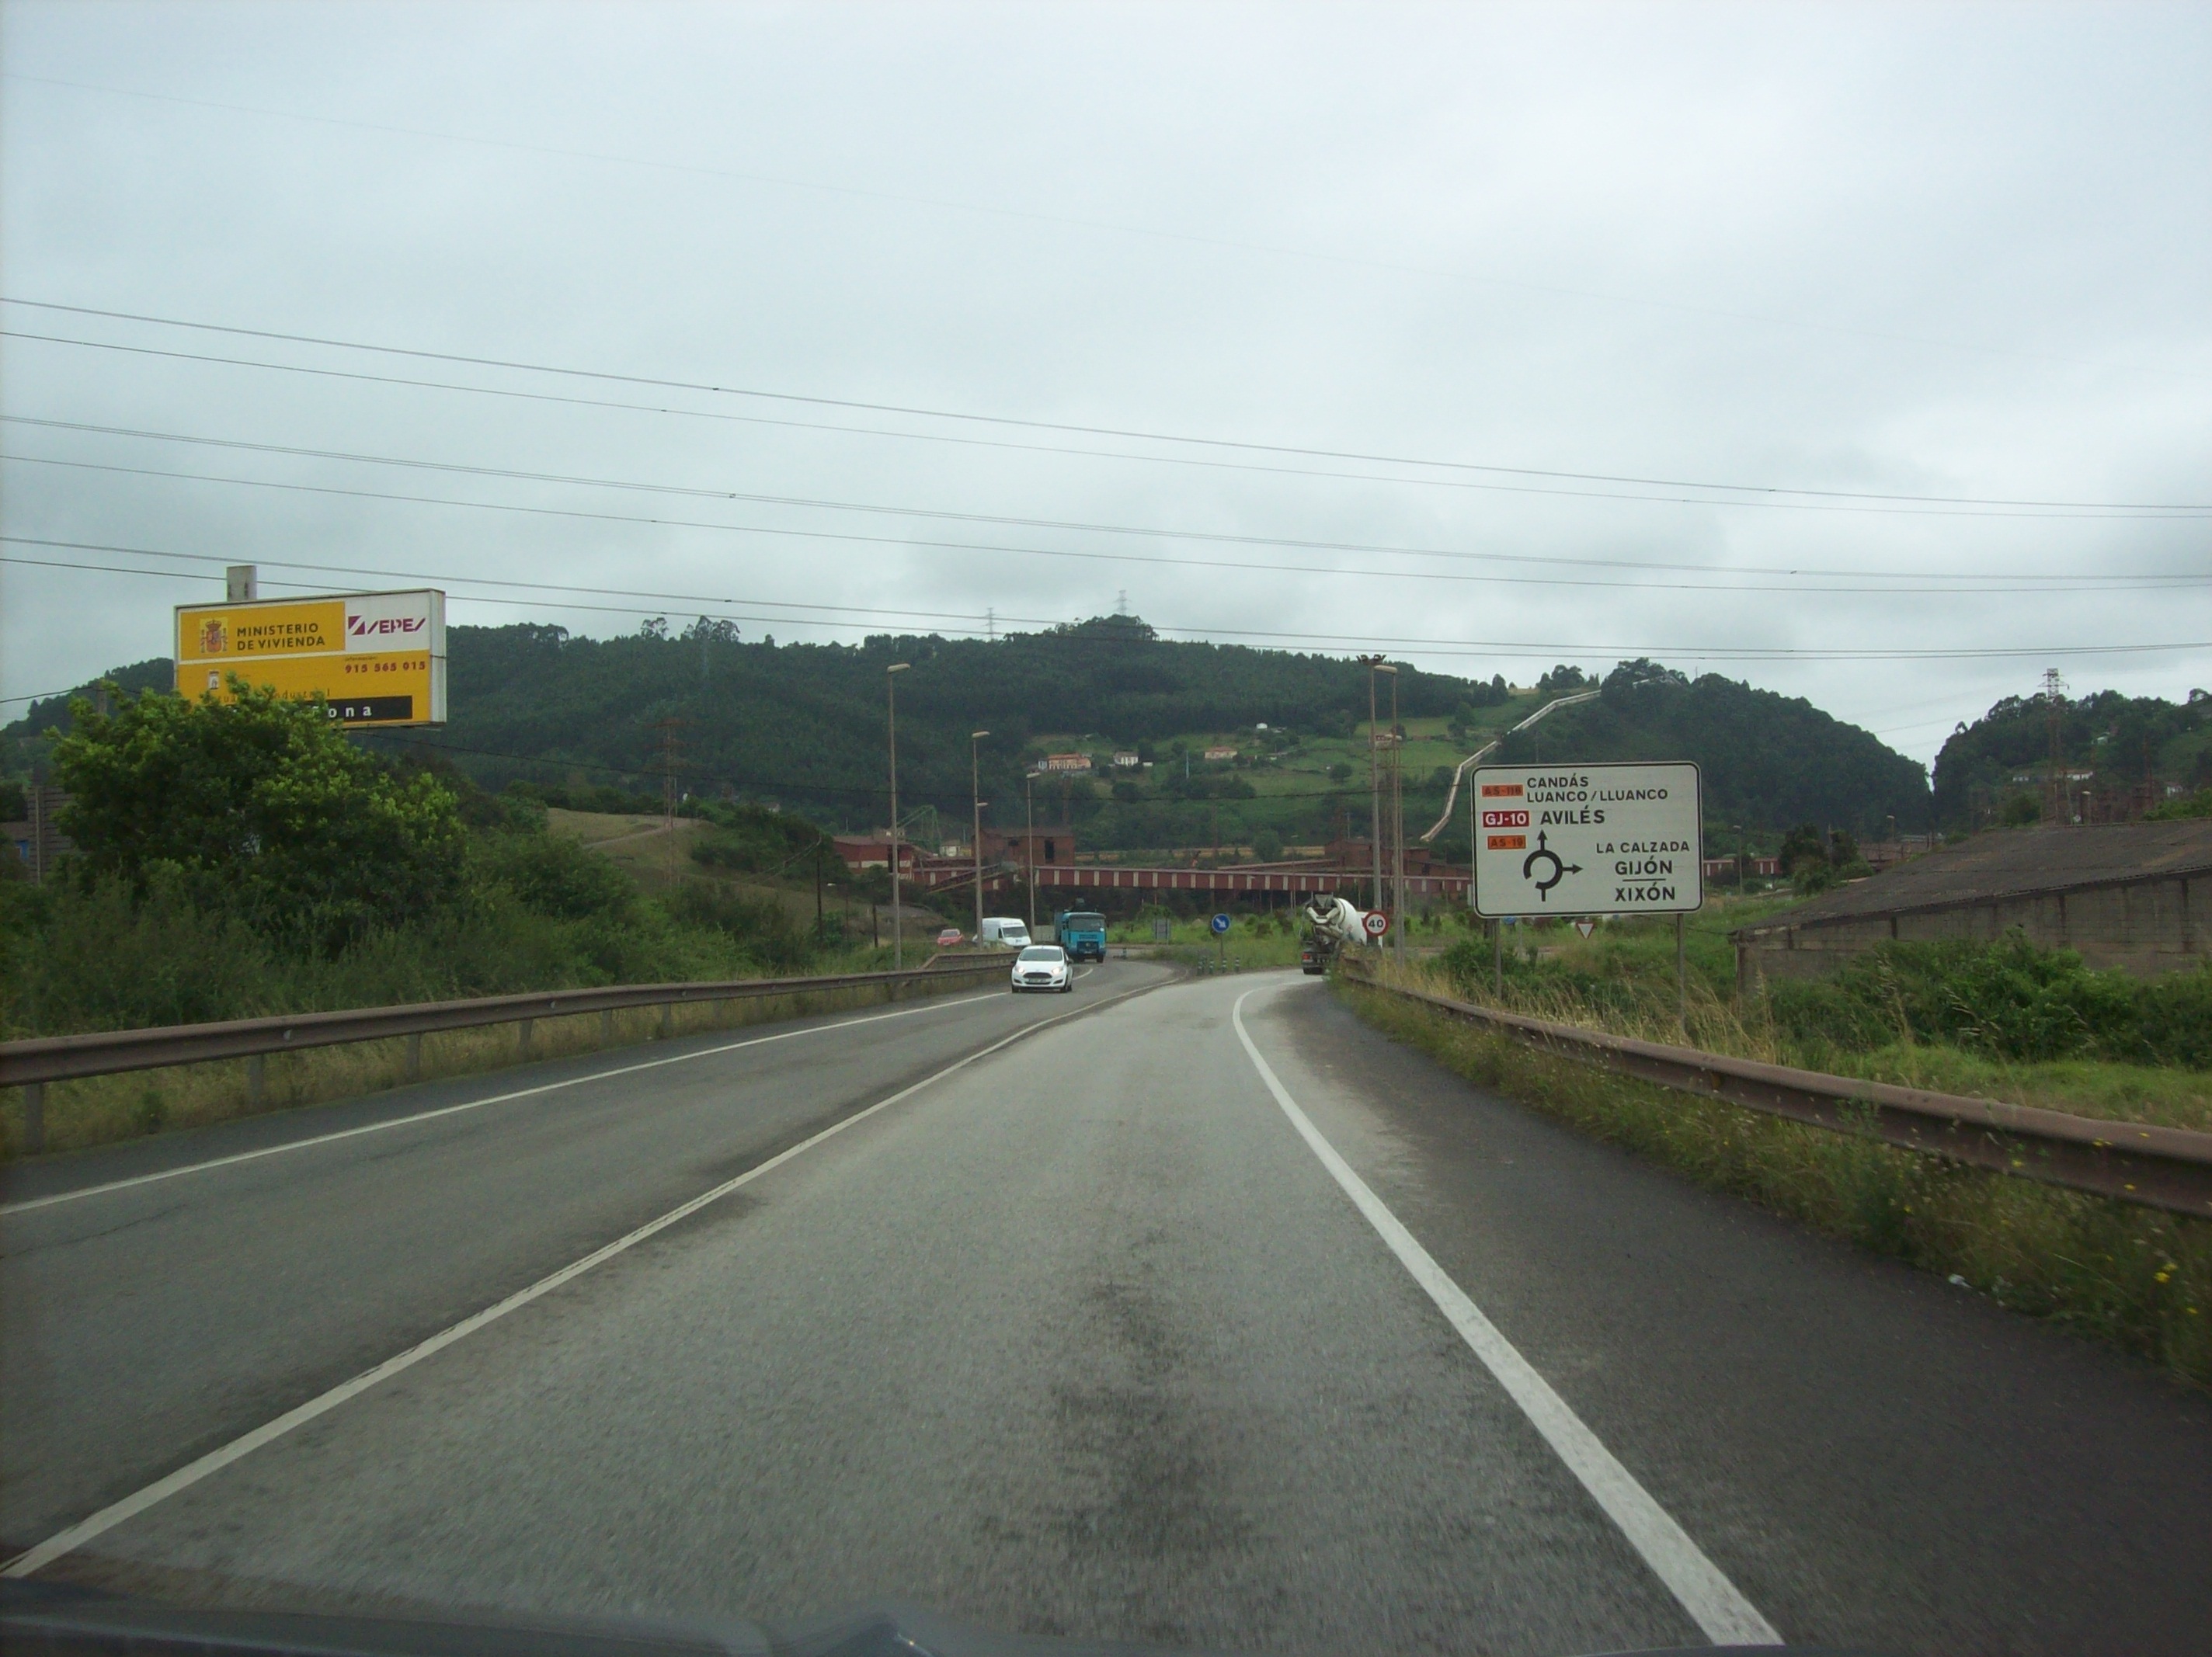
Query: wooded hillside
[[802, 726]]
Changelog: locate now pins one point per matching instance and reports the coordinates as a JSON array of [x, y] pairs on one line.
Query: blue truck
[[1081, 933]]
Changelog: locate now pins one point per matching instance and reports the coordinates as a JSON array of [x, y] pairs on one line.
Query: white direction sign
[[1587, 840]]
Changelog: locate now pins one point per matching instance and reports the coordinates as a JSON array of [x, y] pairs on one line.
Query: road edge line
[[30, 1203], [1722, 1612], [67, 1540]]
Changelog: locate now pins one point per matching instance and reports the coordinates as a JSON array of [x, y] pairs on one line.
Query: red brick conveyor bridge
[[1111, 878]]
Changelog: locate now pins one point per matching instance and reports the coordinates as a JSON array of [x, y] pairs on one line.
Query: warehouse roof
[[2014, 863]]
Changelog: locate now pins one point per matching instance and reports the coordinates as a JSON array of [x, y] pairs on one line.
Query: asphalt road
[[1085, 1338]]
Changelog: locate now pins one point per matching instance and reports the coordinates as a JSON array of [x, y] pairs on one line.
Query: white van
[[1007, 931]]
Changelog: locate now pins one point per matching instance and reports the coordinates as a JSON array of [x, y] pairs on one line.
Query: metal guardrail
[[30, 1064], [2167, 1168]]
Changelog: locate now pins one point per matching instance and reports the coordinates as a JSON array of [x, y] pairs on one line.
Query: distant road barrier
[[30, 1064], [2167, 1168]]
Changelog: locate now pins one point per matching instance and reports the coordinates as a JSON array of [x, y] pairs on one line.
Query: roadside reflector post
[[34, 1118], [414, 1057], [257, 1080]]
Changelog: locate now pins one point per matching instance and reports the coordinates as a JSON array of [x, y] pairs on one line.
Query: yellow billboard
[[377, 658]]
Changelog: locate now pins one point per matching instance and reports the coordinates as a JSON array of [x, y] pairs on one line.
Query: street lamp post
[[890, 686], [1397, 820], [976, 789], [1374, 781]]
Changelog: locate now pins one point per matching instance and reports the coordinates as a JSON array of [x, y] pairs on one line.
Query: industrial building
[[2135, 895]]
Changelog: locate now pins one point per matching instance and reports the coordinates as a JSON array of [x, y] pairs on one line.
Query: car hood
[[53, 1618]]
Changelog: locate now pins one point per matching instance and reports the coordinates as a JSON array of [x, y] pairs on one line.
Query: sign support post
[[1681, 972]]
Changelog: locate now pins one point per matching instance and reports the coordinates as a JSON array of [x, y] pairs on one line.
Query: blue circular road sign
[[1221, 923]]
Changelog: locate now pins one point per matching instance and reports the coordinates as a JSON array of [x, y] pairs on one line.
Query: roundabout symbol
[[1560, 869]]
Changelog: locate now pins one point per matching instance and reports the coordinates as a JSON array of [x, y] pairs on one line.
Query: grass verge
[[2133, 1277], [102, 1110]]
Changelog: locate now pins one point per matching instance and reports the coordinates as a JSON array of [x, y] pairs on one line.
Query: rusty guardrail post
[[2144, 1163]]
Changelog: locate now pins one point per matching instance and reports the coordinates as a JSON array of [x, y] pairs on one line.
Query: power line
[[987, 631], [2082, 584], [1131, 433], [497, 581], [2128, 514], [1481, 650], [916, 544], [1009, 521]]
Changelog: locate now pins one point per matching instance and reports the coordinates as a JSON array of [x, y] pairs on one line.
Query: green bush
[[2174, 1019], [553, 875], [2198, 805], [2009, 999], [260, 807]]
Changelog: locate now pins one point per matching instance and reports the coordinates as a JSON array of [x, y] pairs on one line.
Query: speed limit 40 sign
[[1587, 840], [1376, 922]]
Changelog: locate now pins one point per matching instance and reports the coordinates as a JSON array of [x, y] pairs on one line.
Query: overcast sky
[[1961, 254]]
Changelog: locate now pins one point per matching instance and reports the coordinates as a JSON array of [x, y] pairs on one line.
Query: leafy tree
[[1803, 847], [1766, 760], [260, 806], [2120, 741], [2198, 805]]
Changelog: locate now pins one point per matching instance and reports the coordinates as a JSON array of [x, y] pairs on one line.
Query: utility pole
[[1397, 822], [890, 686], [668, 729], [1374, 746], [1029, 844], [2054, 698], [975, 788]]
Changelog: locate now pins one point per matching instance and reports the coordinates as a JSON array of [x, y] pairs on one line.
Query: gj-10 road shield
[[1587, 840]]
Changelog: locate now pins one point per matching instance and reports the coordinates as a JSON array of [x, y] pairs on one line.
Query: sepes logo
[[370, 627], [213, 637]]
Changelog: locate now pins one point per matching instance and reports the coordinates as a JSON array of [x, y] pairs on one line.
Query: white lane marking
[[1717, 1605], [69, 1540], [29, 1202]]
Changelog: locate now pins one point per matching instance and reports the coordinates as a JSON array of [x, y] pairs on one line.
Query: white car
[[1007, 930], [1043, 967]]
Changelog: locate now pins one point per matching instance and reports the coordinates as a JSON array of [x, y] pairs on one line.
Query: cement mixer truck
[[1330, 923]]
